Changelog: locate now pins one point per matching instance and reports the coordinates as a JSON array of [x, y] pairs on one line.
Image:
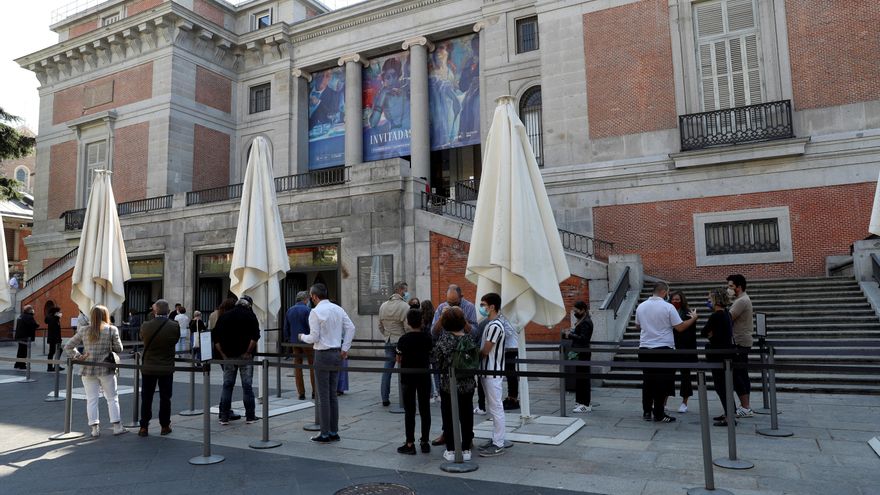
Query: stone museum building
[[707, 137]]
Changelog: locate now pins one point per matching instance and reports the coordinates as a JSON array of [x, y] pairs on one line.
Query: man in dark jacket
[[160, 336], [235, 338], [25, 331]]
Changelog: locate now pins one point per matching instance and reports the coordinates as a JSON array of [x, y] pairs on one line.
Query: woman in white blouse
[[98, 339]]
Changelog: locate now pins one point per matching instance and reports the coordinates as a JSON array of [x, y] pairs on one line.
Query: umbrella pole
[[525, 409]]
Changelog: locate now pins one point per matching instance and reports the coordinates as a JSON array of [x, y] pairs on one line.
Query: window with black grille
[[260, 101], [530, 112], [742, 237], [527, 34]]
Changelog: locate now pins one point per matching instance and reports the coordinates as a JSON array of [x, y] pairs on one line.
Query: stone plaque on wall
[[98, 94], [375, 280]]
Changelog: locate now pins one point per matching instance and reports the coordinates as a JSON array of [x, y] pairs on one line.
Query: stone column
[[354, 132], [419, 114], [299, 128]]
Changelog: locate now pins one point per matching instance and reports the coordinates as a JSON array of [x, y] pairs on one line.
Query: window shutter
[[710, 19]]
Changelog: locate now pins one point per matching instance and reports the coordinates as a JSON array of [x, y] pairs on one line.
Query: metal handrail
[[74, 219], [45, 271], [761, 122], [467, 190], [571, 241], [875, 267], [621, 288], [214, 194]]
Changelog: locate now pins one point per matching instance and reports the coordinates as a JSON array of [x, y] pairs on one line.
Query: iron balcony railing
[[571, 241], [621, 288], [761, 122], [467, 190], [213, 195], [36, 279], [73, 219], [307, 180]]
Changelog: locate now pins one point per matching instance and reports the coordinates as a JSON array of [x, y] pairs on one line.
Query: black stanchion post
[[68, 408], [27, 377], [278, 369], [562, 411], [55, 397], [731, 462], [316, 426], [765, 382], [398, 409], [206, 457], [192, 411], [774, 430], [265, 443], [136, 396], [459, 465], [708, 472]]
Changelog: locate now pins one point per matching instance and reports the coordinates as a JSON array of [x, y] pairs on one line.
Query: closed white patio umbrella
[[874, 226], [259, 258], [515, 247], [5, 292], [101, 262]]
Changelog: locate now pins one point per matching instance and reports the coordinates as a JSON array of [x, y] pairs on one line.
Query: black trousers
[[465, 417], [582, 388], [21, 354], [658, 383], [481, 395], [686, 384], [148, 389], [418, 389], [510, 356], [741, 383], [720, 386], [53, 349]]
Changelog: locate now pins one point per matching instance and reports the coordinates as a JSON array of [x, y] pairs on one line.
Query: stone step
[[792, 387], [796, 282], [759, 293], [791, 359]]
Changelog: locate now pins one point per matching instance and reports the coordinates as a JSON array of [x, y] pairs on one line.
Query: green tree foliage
[[13, 144]]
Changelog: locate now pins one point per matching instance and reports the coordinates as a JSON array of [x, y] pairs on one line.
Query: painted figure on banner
[[386, 107], [454, 93], [326, 119]]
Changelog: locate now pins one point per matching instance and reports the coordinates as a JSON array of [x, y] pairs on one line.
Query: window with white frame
[[728, 53], [22, 175], [95, 159], [754, 236], [262, 19]]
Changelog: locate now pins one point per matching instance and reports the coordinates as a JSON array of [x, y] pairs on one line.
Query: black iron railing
[[36, 279], [73, 219], [761, 122], [213, 195], [314, 178], [144, 205], [571, 241], [467, 190], [619, 295], [875, 267]]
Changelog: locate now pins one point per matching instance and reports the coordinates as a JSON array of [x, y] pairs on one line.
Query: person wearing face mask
[[743, 328], [719, 331], [392, 326], [581, 335], [685, 339]]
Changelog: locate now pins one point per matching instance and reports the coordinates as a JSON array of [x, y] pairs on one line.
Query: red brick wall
[[448, 264], [82, 28], [213, 90], [129, 86], [208, 11], [630, 85], [210, 158], [57, 291], [131, 146], [835, 51], [62, 178], [142, 5], [824, 222]]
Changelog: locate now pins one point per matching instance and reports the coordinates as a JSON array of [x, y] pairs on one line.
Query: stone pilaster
[[354, 133], [299, 128], [420, 137]]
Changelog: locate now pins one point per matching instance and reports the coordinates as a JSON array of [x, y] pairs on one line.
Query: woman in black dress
[[684, 339], [53, 335], [581, 335], [719, 331]]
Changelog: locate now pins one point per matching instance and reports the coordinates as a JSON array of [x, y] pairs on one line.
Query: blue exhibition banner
[[454, 93], [327, 119], [386, 107]]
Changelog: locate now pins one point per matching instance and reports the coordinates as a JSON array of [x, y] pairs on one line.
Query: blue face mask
[[484, 311], [406, 296], [710, 305]]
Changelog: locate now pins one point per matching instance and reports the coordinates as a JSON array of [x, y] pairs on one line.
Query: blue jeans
[[247, 379], [390, 358]]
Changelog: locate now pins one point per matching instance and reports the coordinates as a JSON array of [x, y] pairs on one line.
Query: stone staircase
[[832, 310]]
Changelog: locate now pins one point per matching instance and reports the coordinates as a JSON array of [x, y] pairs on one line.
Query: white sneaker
[[683, 408], [118, 429], [449, 455], [466, 454], [580, 408], [479, 411], [742, 412], [435, 399], [96, 431]]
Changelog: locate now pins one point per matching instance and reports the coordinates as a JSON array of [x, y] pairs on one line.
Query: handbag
[[112, 357]]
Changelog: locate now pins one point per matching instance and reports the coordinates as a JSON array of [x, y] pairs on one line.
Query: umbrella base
[[459, 467], [204, 460], [264, 444], [67, 436]]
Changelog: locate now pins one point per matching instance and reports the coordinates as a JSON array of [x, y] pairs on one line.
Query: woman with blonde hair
[[98, 339], [719, 331]]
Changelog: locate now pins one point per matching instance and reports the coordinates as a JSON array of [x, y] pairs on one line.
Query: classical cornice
[[355, 15]]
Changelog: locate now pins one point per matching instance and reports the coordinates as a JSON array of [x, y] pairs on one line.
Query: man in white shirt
[[331, 332], [492, 359], [657, 319]]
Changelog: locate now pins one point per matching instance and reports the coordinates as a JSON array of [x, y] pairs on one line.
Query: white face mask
[[731, 293]]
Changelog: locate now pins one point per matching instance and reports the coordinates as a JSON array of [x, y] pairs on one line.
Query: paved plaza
[[615, 453]]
